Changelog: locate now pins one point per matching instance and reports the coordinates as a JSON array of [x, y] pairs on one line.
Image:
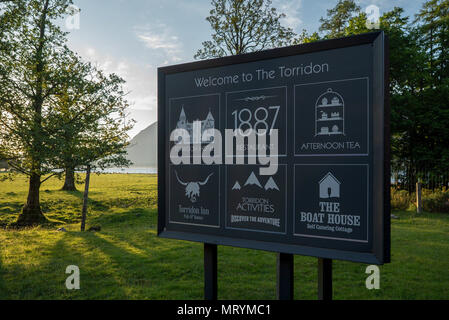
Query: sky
[[132, 38]]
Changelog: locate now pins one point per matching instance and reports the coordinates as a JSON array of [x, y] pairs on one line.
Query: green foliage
[[31, 75], [89, 120], [435, 201], [400, 199], [242, 26], [305, 37], [338, 18]]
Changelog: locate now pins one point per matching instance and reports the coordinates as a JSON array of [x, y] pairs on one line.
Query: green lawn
[[127, 261]]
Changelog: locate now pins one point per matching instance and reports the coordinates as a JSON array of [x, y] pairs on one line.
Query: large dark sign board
[[329, 197]]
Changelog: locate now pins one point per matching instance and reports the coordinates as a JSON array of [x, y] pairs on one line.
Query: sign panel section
[[193, 195], [255, 202], [333, 203], [332, 118]]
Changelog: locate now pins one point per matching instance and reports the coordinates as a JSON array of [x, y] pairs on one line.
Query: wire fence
[[405, 176]]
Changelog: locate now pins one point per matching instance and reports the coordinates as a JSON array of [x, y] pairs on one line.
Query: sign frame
[[380, 252]]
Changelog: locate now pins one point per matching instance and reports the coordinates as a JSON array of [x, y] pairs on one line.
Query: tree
[[242, 26], [433, 90], [338, 18], [52, 102], [10, 16], [305, 37], [30, 76], [38, 70], [434, 37], [90, 121]]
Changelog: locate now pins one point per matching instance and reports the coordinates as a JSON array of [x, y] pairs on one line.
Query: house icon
[[329, 187]]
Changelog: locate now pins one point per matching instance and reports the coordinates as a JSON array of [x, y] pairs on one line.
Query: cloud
[[154, 41], [292, 10], [160, 39]]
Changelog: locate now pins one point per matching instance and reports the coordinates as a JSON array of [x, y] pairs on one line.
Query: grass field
[[126, 260]]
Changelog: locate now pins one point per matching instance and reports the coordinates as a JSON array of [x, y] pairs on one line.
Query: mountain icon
[[271, 184], [236, 186], [252, 180]]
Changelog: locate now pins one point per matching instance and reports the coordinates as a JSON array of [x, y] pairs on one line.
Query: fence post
[[418, 197]]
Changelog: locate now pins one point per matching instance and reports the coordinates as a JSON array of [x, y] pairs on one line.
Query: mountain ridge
[[142, 150]]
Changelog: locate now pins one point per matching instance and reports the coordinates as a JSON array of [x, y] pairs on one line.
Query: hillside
[[143, 148]]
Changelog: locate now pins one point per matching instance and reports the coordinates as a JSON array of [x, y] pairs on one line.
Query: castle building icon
[[208, 123], [329, 187]]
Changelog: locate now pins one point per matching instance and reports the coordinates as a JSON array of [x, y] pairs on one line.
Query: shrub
[[400, 199], [435, 201], [432, 200]]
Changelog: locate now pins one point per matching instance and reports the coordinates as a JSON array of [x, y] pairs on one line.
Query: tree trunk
[[85, 198], [31, 212], [69, 182]]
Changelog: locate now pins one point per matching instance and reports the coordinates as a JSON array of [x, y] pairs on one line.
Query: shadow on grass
[[40, 279], [10, 207], [95, 205], [94, 280], [131, 216], [154, 271], [133, 199], [9, 211]]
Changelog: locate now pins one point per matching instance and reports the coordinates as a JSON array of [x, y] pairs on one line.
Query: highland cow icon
[[193, 188]]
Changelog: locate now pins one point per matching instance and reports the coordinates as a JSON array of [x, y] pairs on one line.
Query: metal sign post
[[324, 279], [210, 271], [285, 276]]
